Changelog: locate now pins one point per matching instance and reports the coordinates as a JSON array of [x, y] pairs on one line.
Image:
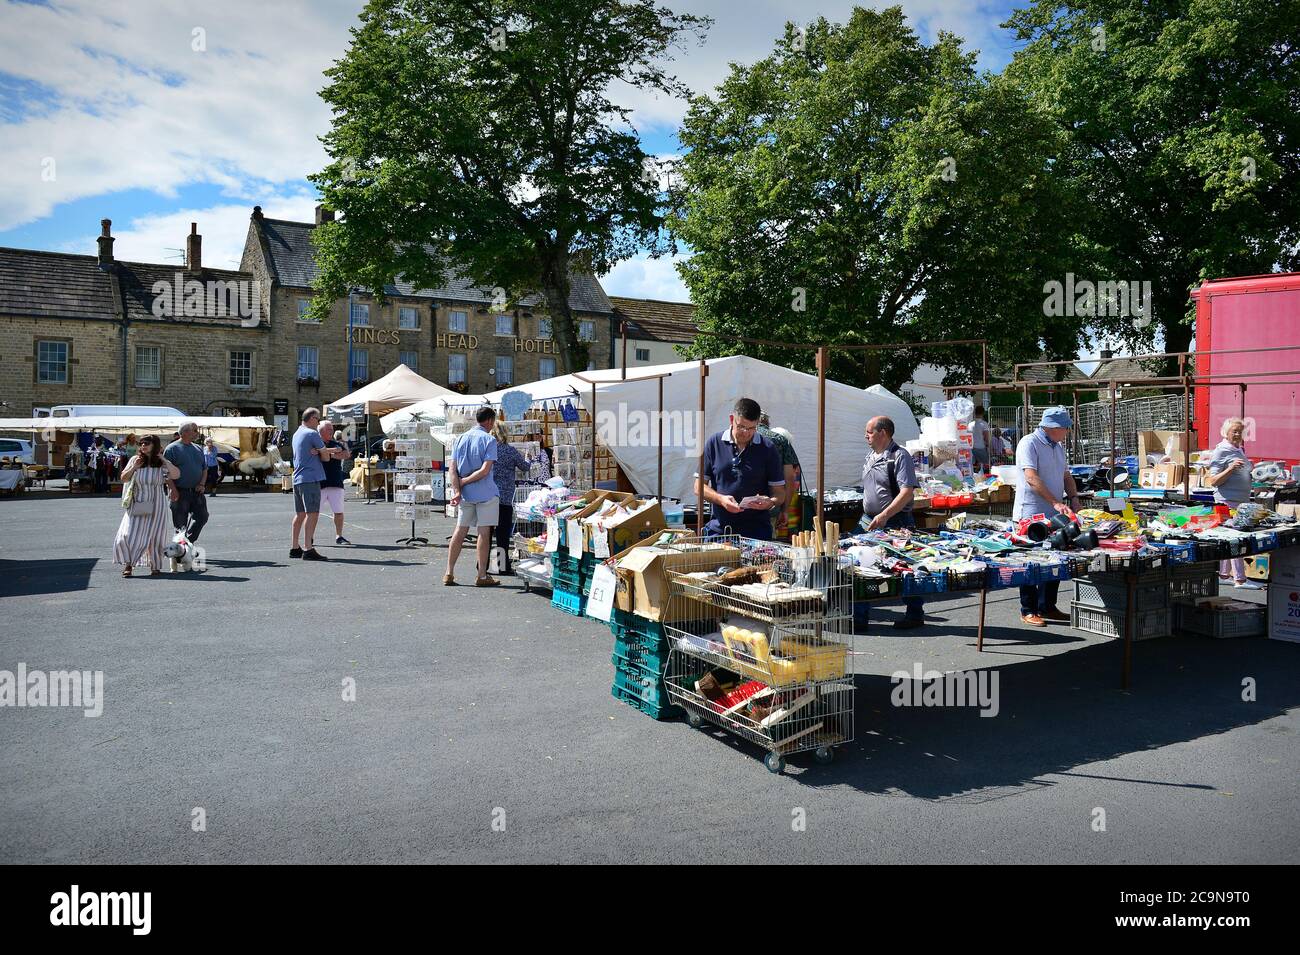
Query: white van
[[113, 411]]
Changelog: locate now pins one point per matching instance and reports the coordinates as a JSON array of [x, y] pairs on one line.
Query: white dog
[[181, 553]]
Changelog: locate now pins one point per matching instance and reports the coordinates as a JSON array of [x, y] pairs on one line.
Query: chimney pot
[[1105, 354], [324, 214], [105, 242], [193, 249], [257, 212]]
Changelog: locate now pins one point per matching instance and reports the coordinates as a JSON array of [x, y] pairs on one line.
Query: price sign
[[574, 536], [552, 535], [600, 603]]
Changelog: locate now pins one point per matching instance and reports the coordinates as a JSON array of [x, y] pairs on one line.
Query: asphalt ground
[[483, 728]]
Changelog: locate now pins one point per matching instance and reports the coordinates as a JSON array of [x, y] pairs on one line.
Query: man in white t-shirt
[[979, 432]]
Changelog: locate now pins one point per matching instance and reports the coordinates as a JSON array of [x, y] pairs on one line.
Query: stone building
[[90, 329]]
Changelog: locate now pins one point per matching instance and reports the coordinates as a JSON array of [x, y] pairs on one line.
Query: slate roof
[[654, 320], [138, 279], [1126, 369], [293, 262], [53, 285]]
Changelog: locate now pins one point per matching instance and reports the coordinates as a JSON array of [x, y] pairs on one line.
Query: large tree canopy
[[1182, 123], [480, 135], [859, 186]]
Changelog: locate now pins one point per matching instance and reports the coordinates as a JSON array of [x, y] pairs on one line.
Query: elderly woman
[[142, 535], [508, 461], [1229, 475]]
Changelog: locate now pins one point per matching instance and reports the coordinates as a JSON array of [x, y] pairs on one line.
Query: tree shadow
[[25, 578]]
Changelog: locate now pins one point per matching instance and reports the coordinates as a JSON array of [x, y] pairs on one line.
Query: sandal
[[448, 580], [126, 572]]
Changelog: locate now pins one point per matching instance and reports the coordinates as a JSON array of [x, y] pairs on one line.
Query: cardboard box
[[1161, 443], [625, 531], [645, 571], [1284, 567], [1283, 613], [1257, 567]]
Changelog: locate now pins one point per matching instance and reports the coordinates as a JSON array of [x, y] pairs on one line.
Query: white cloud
[[644, 277]]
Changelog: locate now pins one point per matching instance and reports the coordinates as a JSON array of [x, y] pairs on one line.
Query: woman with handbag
[[142, 535]]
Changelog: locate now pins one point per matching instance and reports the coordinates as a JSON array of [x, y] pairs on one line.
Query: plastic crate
[[654, 711], [636, 630], [966, 579], [569, 580], [1221, 625], [914, 586], [568, 602], [1211, 550], [1262, 541], [647, 685], [1045, 573], [1147, 625], [874, 588], [1193, 580], [1008, 575], [1104, 595], [634, 655]]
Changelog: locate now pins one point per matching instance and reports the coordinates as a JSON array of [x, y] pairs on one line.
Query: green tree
[[480, 135], [859, 186], [1182, 122]]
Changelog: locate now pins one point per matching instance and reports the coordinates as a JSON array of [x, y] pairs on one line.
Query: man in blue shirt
[[1044, 482], [745, 477], [189, 507], [308, 473], [474, 492]]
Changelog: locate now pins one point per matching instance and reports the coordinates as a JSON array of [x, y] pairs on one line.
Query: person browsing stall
[[743, 476], [888, 483], [474, 492], [1044, 487]]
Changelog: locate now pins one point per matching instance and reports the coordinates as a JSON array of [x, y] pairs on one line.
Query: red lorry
[[1260, 314]]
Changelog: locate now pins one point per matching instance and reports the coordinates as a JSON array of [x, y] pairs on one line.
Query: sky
[[157, 114]]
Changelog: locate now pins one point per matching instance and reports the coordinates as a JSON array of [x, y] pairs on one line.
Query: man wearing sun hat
[[1045, 487]]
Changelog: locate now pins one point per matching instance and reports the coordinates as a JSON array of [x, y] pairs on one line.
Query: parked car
[[18, 450]]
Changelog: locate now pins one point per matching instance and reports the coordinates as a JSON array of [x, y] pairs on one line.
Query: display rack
[[783, 626], [531, 566], [414, 477]]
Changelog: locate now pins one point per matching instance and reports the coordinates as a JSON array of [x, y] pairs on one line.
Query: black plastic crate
[[1147, 625], [1107, 595]]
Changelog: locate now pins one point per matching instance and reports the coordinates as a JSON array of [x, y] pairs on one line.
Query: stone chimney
[[1105, 354], [105, 242], [323, 214], [257, 213], [194, 249]]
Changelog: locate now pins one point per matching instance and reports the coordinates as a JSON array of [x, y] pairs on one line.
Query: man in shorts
[[474, 492], [308, 473], [331, 489]]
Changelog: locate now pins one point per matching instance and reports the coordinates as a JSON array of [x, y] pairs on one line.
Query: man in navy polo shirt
[[740, 464]]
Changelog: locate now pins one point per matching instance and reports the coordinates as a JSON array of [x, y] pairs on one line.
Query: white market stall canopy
[[400, 388], [127, 424], [627, 416]]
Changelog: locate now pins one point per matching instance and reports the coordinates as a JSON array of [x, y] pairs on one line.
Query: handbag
[[137, 505]]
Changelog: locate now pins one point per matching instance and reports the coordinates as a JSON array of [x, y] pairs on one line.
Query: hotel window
[[546, 368], [52, 363], [360, 313], [241, 369], [360, 365], [411, 359], [309, 362], [643, 354], [458, 322], [544, 328], [303, 305], [148, 366], [408, 317], [506, 325], [505, 370], [586, 331], [457, 369]]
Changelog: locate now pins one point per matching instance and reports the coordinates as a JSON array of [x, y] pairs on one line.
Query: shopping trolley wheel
[[774, 763], [824, 754], [694, 720]]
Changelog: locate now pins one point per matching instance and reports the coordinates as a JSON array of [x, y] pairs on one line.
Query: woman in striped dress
[[143, 537]]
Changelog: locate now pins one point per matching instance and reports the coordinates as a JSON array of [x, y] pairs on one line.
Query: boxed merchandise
[[411, 462], [413, 495], [634, 521], [1162, 476], [416, 512], [1161, 444], [644, 570]]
